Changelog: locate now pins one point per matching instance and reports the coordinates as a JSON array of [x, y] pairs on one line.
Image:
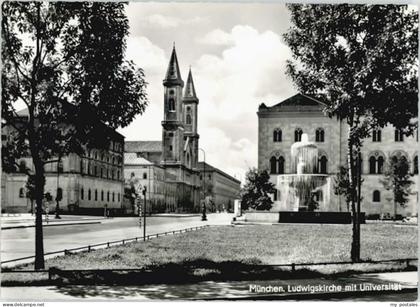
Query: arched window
[[281, 165], [188, 160], [372, 165], [416, 165], [323, 165], [144, 175], [82, 193], [89, 194], [298, 135], [277, 135], [319, 135], [22, 166], [275, 195], [81, 165], [102, 195], [96, 194], [273, 165], [113, 196], [188, 119], [376, 135], [107, 196], [21, 193], [376, 196], [399, 135], [380, 165], [171, 104]]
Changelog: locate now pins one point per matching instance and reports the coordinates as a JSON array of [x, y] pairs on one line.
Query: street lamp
[[59, 192], [204, 217]]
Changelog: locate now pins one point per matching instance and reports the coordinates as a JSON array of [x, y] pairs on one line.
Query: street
[[17, 243]]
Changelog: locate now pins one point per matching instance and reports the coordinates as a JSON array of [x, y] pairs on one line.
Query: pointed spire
[[189, 93], [173, 74]]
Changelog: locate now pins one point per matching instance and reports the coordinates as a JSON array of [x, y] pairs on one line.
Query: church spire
[[173, 75], [189, 93]]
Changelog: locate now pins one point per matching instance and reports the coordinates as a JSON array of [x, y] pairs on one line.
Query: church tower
[[190, 105], [173, 126]]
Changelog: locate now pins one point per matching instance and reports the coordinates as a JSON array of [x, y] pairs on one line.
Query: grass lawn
[[254, 244], [283, 243]]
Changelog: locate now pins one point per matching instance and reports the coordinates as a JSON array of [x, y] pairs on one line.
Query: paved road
[[220, 290], [16, 243]]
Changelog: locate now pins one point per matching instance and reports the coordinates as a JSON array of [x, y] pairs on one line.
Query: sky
[[237, 57]]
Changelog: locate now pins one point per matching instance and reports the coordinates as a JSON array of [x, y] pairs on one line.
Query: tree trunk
[[39, 196], [355, 248]]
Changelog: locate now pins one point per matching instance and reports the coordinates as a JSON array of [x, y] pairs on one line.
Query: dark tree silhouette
[[65, 62], [255, 192], [362, 61]]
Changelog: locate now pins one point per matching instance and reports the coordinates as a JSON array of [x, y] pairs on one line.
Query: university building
[[281, 125], [172, 162], [88, 183]]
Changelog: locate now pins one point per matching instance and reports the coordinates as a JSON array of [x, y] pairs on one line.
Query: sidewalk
[[24, 220], [231, 290]]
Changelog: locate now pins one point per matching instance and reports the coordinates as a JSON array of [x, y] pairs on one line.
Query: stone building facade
[[175, 157], [281, 125], [222, 188], [88, 183], [160, 197], [177, 153]]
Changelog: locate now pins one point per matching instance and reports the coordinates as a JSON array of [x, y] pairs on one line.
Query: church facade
[[177, 153], [281, 125]]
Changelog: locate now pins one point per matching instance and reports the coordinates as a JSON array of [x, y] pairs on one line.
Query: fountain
[[304, 189], [304, 194]]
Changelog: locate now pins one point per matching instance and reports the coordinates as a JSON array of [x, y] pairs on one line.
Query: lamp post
[[204, 217], [59, 193]]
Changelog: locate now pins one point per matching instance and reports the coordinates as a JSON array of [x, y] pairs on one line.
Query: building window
[[376, 196], [319, 135], [277, 135], [377, 135], [323, 165], [277, 165], [298, 135], [22, 166], [416, 165], [380, 164], [119, 197], [88, 168], [82, 193], [275, 195], [144, 175], [118, 175], [21, 193], [102, 172], [376, 165], [171, 104], [399, 135], [372, 165], [102, 195], [188, 119], [113, 196], [89, 194], [81, 166], [107, 196], [170, 147]]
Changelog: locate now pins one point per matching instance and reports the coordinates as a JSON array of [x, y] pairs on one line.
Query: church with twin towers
[[178, 179]]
